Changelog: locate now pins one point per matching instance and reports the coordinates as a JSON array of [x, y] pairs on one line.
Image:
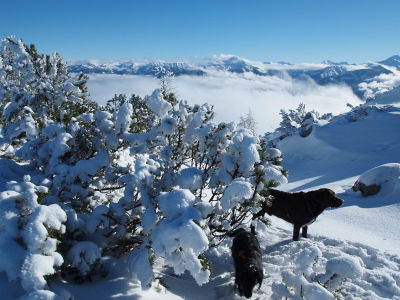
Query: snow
[[83, 254], [321, 255], [11, 256], [41, 295], [124, 117], [345, 266], [35, 267], [390, 97], [343, 241], [175, 203], [88, 167], [148, 219], [140, 268], [190, 178], [243, 152], [272, 173], [236, 192], [180, 242]]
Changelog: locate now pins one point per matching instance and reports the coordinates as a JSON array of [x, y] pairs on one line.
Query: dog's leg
[[304, 231], [296, 232], [260, 281]]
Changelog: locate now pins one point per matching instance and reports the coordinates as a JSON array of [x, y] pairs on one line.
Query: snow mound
[[346, 266], [386, 179]]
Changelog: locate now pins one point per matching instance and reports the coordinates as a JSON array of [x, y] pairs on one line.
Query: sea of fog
[[234, 95]]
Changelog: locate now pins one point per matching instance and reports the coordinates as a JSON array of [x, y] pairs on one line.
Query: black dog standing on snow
[[246, 254], [300, 209]]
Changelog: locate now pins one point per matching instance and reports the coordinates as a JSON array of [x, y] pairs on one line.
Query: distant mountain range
[[357, 76]]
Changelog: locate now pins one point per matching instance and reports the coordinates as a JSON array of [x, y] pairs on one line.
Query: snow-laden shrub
[[200, 181], [141, 178], [35, 89], [360, 112], [29, 234]]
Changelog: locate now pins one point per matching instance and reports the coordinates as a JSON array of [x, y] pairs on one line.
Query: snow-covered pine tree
[[291, 120], [165, 76], [142, 116], [248, 122], [36, 91]]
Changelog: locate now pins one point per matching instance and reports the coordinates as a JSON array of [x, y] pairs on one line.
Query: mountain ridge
[[324, 73]]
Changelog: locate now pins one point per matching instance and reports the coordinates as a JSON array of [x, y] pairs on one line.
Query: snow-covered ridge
[[324, 73]]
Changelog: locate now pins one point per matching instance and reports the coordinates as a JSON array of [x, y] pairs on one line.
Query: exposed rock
[[366, 190], [307, 124]]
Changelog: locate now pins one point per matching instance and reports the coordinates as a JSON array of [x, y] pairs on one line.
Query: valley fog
[[233, 95]]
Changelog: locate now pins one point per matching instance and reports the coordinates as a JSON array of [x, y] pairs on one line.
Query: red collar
[[242, 254]]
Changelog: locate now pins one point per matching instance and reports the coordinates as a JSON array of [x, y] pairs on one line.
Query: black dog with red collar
[[247, 258]]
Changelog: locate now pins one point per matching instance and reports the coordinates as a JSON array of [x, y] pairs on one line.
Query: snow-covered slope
[[390, 97], [334, 155]]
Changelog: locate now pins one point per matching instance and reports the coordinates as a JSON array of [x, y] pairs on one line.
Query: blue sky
[[294, 31]]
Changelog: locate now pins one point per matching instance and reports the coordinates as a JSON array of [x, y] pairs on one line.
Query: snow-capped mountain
[[393, 61], [135, 68], [325, 73]]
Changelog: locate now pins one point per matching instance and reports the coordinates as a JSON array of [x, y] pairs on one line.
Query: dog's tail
[[252, 229]]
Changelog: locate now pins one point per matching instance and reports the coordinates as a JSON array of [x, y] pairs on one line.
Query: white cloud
[[102, 87], [234, 94], [381, 84]]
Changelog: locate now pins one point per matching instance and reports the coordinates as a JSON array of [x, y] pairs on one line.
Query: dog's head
[[248, 281], [328, 198]]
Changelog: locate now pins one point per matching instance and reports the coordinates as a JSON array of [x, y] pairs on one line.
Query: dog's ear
[[234, 232]]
